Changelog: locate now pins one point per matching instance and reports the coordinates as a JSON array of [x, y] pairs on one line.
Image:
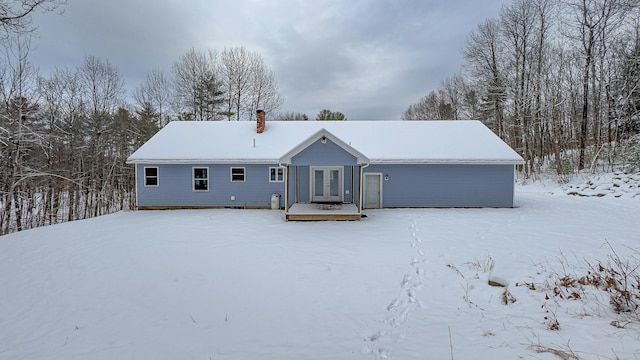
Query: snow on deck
[[462, 141], [318, 208]]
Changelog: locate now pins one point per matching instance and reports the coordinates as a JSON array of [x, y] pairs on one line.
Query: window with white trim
[[237, 174], [276, 174], [151, 176], [200, 179]]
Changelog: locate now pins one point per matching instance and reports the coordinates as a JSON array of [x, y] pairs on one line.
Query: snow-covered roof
[[460, 141]]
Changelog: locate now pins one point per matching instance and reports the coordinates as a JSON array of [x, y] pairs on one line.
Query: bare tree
[[263, 93], [541, 117], [19, 135], [103, 87], [291, 116], [452, 91], [155, 93], [525, 26], [198, 87], [517, 27], [15, 15], [433, 106], [591, 21], [237, 67], [64, 110], [103, 84], [483, 54], [249, 84], [424, 109]]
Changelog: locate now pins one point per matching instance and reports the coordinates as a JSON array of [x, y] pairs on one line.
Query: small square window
[[200, 179], [237, 174], [150, 176], [276, 174]]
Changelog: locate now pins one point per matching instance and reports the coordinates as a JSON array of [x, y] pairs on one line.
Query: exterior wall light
[[324, 139]]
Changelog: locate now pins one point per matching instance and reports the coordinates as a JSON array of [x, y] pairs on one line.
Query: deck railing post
[[286, 190], [359, 189]]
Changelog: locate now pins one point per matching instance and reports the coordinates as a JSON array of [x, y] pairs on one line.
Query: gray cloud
[[367, 59]]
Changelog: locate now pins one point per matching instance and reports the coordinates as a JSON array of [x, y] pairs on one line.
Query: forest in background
[[558, 80], [65, 137]]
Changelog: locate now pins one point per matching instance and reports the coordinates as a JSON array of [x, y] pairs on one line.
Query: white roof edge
[[203, 161], [446, 161], [275, 161]]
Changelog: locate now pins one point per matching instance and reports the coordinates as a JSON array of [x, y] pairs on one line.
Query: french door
[[326, 184]]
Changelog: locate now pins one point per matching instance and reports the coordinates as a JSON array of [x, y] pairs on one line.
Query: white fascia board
[[203, 161], [444, 161], [372, 161]]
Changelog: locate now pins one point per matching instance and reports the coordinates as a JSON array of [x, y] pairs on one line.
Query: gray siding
[[299, 193], [320, 154], [175, 187], [446, 185]]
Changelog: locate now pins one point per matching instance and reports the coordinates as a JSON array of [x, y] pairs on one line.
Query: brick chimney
[[261, 121]]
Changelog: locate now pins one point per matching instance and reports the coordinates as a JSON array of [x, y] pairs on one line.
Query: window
[[150, 176], [276, 174], [237, 174], [200, 179]]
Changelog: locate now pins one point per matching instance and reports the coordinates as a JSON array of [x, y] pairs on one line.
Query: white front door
[[372, 191], [326, 184]]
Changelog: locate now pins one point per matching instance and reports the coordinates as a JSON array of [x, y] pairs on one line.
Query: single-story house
[[324, 169]]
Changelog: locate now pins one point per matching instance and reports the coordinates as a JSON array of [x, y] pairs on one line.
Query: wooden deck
[[322, 212]]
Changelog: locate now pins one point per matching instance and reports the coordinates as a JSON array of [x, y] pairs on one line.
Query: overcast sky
[[367, 59]]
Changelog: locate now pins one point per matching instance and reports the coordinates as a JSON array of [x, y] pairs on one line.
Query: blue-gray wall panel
[[175, 187], [302, 190], [446, 185], [408, 186], [320, 154]]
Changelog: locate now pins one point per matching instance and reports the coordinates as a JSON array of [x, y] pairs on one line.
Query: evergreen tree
[[327, 114]]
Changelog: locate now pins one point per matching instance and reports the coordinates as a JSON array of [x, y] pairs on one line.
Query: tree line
[[65, 136], [558, 80]]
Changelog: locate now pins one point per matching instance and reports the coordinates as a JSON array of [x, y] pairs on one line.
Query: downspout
[[286, 186], [353, 184], [286, 190], [513, 187], [136, 183]]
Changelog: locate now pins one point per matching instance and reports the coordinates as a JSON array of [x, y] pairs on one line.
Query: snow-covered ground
[[400, 284]]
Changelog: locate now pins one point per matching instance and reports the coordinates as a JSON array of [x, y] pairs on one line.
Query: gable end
[[323, 135]]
